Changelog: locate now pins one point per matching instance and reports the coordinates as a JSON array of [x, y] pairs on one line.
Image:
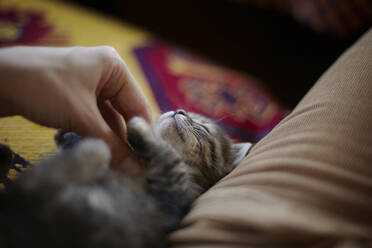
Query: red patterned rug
[[27, 28], [240, 103]]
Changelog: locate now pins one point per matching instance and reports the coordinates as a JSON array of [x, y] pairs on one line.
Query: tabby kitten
[[75, 200]]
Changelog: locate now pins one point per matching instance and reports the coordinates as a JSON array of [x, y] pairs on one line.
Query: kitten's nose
[[180, 112]]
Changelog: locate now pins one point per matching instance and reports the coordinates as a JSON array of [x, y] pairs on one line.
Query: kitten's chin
[[165, 125], [166, 128]]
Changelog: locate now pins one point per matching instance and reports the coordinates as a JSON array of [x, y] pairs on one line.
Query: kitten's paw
[[66, 140], [85, 162], [140, 126], [140, 134], [94, 154]]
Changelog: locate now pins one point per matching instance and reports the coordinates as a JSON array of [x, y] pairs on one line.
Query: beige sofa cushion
[[307, 182]]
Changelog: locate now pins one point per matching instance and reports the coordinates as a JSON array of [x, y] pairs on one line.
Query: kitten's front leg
[[85, 162], [141, 138], [167, 174]]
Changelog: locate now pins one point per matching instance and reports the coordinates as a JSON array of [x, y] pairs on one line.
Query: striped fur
[[201, 143], [74, 199]]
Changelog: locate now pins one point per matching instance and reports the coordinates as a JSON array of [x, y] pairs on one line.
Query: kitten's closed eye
[[201, 143], [176, 126]]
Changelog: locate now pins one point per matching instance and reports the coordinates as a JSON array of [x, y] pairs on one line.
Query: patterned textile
[[27, 27], [181, 80], [19, 164]]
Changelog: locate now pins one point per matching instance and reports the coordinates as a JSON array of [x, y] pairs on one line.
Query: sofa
[[308, 182]]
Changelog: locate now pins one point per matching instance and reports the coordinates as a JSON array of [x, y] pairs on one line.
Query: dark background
[[286, 55]]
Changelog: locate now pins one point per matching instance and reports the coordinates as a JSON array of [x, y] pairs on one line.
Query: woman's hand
[[85, 90]]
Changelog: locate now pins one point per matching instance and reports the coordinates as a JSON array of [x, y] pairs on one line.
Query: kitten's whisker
[[223, 117]]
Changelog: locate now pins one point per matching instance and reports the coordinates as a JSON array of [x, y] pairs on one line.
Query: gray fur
[[74, 199]]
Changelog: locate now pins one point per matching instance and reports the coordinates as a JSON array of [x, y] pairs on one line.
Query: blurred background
[[244, 63], [288, 44]]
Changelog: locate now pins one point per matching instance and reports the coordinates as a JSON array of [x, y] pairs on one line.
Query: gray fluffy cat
[[75, 200]]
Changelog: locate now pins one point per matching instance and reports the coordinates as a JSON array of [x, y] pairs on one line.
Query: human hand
[[87, 90]]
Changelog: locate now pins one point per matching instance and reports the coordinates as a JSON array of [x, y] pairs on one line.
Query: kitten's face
[[198, 140]]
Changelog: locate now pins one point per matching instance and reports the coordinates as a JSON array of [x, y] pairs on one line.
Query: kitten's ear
[[240, 151]]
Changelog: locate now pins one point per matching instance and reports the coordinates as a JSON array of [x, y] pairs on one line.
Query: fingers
[[91, 123], [112, 118], [131, 164], [124, 92], [130, 100], [119, 96], [123, 158]]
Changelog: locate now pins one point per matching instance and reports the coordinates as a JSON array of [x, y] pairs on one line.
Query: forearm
[[23, 75], [82, 89]]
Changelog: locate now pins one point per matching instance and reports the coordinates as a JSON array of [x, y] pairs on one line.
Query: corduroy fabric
[[309, 181]]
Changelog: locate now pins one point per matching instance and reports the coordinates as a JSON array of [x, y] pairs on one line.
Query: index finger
[[129, 100]]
